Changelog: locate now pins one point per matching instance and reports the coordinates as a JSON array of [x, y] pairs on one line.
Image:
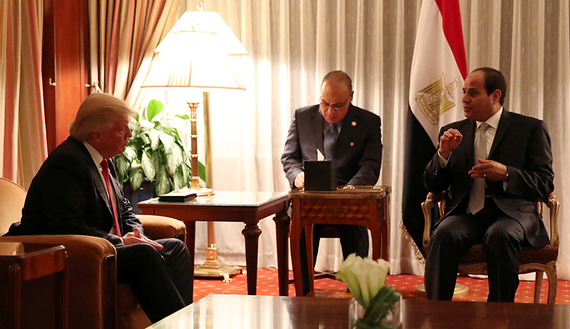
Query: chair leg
[[552, 282], [538, 286]]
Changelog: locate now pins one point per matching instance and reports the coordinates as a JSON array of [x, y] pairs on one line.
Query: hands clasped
[[136, 237]]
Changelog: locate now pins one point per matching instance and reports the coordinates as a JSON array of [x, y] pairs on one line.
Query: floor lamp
[[193, 56]]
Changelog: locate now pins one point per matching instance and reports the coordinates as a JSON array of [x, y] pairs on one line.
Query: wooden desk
[[26, 261], [368, 206], [253, 312], [234, 206]]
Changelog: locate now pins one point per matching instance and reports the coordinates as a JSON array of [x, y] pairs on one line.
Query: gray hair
[[339, 77], [98, 112]]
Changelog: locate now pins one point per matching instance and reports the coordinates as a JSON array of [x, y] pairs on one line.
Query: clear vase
[[393, 319]]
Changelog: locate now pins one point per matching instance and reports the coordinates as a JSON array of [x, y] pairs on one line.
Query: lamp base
[[214, 268], [460, 290], [201, 191]]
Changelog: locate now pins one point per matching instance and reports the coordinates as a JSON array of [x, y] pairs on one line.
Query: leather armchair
[[95, 299]]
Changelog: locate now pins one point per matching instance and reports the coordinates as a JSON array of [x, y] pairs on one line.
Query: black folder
[[177, 196]]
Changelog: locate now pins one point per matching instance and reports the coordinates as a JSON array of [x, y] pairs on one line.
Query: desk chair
[[95, 300], [541, 260]]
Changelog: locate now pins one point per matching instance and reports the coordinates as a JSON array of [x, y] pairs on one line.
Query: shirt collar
[[95, 155], [493, 121]]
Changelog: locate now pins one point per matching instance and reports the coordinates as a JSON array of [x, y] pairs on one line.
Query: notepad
[[177, 196]]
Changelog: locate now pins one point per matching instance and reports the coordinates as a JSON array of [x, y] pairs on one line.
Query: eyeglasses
[[334, 107]]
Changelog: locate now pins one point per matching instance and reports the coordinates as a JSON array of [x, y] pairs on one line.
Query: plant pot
[[393, 319], [146, 191]]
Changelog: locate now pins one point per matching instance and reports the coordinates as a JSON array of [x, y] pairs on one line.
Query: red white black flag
[[436, 81]]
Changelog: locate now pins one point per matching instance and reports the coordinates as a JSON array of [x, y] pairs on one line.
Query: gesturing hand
[[489, 169], [448, 141], [136, 237]]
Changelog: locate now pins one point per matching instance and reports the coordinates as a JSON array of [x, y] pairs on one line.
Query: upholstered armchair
[[94, 298], [538, 260]]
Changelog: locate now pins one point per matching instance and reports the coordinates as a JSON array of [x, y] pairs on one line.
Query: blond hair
[[98, 112]]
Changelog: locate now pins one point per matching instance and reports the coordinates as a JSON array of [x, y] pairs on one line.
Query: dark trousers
[[502, 238], [353, 239], [160, 280]]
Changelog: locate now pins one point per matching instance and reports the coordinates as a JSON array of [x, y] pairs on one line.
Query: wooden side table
[[356, 205], [26, 261]]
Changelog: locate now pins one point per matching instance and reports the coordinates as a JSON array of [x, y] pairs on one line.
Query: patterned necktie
[[477, 196], [329, 141], [105, 170]]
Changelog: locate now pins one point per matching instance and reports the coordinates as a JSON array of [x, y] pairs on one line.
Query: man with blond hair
[[76, 192]]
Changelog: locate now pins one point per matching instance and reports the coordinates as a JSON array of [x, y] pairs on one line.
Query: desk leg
[[251, 233], [14, 295], [190, 244], [282, 227]]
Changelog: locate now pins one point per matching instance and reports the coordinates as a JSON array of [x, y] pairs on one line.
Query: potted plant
[[156, 152]]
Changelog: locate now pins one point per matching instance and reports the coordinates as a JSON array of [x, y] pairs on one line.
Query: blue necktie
[[329, 141]]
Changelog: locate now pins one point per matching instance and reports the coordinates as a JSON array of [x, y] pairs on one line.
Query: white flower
[[363, 277]]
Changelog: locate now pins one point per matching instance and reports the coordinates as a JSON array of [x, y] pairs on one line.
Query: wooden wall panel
[[65, 58]]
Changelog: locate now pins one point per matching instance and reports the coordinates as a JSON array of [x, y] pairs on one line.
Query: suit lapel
[[502, 129], [316, 124], [469, 139]]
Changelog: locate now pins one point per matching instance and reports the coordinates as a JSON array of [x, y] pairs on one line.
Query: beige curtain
[[22, 125], [293, 43], [123, 35]]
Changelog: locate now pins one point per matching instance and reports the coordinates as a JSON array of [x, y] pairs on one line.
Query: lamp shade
[[208, 21], [193, 58]]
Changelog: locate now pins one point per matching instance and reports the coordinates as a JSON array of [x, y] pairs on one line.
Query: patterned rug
[[267, 285]]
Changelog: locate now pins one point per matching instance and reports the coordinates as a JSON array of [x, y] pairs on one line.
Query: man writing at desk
[[76, 192], [341, 131], [496, 164]]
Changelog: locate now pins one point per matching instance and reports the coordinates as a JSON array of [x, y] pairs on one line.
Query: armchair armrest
[[160, 227], [554, 206]]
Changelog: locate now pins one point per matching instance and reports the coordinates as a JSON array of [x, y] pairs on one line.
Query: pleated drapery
[[22, 123]]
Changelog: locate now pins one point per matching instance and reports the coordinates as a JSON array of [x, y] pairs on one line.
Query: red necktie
[[105, 169]]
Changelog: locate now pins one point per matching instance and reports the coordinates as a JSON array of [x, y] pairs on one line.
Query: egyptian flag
[[436, 82]]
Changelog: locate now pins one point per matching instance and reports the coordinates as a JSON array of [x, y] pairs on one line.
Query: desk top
[[239, 311], [226, 198], [344, 192]]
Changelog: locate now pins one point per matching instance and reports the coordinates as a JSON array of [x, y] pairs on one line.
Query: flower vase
[[393, 319]]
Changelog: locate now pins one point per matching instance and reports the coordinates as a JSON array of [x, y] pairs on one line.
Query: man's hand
[[136, 237], [300, 180], [448, 141], [489, 169]]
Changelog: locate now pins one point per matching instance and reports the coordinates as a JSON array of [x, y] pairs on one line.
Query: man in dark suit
[[496, 164], [73, 193], [341, 131]]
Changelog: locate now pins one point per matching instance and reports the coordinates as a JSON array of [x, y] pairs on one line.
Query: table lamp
[[193, 55]]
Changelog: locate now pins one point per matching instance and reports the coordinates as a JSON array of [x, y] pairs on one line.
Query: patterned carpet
[[267, 284]]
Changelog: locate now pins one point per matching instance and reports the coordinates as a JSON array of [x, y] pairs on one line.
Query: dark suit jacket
[[358, 149], [67, 196], [522, 144]]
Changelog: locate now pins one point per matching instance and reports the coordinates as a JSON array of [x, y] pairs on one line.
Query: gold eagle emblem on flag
[[437, 98]]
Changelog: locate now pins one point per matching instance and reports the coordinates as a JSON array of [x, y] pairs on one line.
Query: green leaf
[[174, 159], [162, 185], [154, 137], [154, 107], [136, 178], [202, 171], [184, 116], [147, 166], [178, 179], [130, 152], [168, 142], [123, 166]]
